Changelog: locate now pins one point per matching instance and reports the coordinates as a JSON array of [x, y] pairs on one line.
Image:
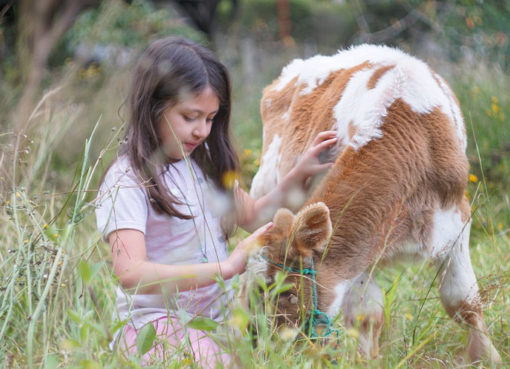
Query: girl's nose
[[201, 130]]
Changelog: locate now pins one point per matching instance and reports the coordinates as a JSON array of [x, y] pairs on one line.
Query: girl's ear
[[312, 229]]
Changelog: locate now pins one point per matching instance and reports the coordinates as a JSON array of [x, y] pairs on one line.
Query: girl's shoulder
[[120, 172]]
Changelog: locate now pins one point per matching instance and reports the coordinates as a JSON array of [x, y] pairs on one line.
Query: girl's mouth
[[191, 146]]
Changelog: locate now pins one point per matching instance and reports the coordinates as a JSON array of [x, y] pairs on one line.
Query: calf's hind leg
[[459, 295], [362, 308]]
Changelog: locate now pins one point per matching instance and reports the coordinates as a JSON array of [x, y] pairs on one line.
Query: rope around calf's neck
[[316, 316]]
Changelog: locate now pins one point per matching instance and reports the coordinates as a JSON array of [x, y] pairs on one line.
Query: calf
[[396, 190]]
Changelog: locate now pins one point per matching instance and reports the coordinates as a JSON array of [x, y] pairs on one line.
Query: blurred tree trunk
[[41, 25], [283, 19]]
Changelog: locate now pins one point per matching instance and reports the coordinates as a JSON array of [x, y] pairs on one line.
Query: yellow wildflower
[[408, 316], [229, 179], [494, 99], [500, 226], [473, 178], [495, 108]]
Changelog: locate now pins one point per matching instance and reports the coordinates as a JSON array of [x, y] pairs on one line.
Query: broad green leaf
[[51, 361], [84, 332], [74, 316], [282, 288], [85, 271], [51, 232], [203, 324], [145, 338], [90, 364]]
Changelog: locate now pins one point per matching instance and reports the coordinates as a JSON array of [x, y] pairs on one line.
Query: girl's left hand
[[236, 262], [309, 164]]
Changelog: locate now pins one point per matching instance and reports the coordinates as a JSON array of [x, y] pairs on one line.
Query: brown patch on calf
[[351, 130], [465, 210], [368, 191], [372, 82], [467, 313], [314, 108], [273, 106]]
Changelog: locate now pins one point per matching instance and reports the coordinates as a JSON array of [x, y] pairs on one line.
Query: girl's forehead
[[205, 100]]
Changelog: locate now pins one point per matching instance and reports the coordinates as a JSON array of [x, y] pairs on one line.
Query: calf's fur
[[396, 190]]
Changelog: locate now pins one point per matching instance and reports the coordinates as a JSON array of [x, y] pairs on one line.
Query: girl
[[166, 209]]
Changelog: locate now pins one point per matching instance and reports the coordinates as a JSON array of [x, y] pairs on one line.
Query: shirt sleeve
[[122, 203]]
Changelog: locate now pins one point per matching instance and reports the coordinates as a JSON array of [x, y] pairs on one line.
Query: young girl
[[166, 209]]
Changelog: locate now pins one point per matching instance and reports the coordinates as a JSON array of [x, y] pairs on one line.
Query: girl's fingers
[[316, 169], [258, 232], [250, 242], [323, 145], [324, 135], [262, 229]]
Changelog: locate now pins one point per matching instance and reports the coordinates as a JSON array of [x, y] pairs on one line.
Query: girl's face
[[186, 124]]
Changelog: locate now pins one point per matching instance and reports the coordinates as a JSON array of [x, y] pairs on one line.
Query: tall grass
[[56, 284]]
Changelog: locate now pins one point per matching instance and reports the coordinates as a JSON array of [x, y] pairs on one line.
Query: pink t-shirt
[[123, 203]]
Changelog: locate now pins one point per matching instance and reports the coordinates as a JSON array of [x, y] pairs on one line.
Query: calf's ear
[[312, 229], [282, 221]]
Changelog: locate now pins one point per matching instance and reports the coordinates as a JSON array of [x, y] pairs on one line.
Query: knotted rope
[[316, 317]]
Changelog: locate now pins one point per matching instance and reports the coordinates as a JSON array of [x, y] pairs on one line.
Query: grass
[[57, 290]]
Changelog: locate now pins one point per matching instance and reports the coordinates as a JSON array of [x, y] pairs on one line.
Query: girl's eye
[[188, 118]]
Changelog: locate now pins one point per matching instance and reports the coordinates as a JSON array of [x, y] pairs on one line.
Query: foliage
[[122, 25], [476, 27], [324, 22], [480, 26]]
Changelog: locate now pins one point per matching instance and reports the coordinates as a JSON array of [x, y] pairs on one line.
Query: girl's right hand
[[236, 262]]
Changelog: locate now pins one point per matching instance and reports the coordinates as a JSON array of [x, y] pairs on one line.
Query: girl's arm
[[141, 276], [253, 213]]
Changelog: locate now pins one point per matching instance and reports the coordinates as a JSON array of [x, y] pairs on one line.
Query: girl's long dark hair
[[169, 69]]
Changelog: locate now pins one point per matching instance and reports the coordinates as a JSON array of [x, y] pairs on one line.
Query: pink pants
[[175, 342]]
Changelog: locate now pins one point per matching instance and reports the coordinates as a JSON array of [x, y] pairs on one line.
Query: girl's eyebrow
[[200, 111]]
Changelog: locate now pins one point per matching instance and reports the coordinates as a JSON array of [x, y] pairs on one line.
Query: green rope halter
[[316, 317]]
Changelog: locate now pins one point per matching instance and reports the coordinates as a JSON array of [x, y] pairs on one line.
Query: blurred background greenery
[[65, 67]]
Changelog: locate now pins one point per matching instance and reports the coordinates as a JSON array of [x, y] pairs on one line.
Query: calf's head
[[294, 245]]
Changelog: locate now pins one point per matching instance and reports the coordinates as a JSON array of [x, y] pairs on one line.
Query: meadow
[[57, 291]]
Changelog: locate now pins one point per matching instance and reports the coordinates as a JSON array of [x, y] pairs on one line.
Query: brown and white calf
[[396, 190]]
